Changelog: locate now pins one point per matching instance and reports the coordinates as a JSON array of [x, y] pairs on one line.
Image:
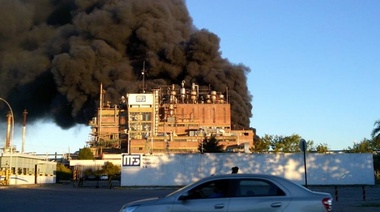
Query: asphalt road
[[60, 198]]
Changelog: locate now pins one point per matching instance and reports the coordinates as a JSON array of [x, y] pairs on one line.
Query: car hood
[[144, 201]]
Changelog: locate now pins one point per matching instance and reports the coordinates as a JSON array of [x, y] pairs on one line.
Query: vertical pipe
[[100, 111], [35, 174], [128, 126], [23, 130], [100, 117]]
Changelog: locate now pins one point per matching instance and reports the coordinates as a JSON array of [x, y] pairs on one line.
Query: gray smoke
[[55, 53]]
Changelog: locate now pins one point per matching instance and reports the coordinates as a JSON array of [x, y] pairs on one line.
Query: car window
[[256, 187], [212, 189]]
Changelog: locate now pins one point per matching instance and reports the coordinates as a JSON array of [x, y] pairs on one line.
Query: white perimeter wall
[[182, 169], [30, 179]]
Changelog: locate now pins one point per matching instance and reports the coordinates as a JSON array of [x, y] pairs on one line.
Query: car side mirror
[[184, 196]]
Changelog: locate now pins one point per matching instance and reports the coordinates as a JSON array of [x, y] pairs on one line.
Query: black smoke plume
[[55, 53]]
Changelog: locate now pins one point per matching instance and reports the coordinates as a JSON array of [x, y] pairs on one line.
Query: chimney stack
[[23, 130], [9, 127]]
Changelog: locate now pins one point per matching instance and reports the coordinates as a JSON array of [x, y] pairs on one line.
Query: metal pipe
[[23, 131]]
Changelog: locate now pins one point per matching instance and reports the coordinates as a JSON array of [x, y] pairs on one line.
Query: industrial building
[[17, 168], [169, 119]]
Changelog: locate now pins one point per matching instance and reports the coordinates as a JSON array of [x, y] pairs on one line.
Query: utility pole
[[303, 147]]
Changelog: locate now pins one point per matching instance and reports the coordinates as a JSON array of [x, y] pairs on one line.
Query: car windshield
[[181, 189]]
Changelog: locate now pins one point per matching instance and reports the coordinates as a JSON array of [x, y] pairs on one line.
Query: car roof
[[285, 183], [237, 176], [288, 185], [279, 179]]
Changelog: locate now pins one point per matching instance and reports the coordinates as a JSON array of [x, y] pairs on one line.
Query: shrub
[[63, 173]]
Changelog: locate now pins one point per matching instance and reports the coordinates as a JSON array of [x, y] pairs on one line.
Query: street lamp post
[[12, 133]]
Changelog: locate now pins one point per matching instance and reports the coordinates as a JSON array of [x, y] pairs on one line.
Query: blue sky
[[314, 67], [314, 64]]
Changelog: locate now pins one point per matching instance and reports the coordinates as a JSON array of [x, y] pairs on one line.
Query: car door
[[208, 197], [257, 195]]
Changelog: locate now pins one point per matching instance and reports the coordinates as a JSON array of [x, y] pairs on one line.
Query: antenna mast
[[143, 75]]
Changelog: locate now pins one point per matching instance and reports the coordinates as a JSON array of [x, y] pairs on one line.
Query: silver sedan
[[237, 192]]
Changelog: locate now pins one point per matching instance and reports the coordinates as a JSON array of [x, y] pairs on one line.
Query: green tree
[[63, 173], [365, 146], [376, 135], [89, 172], [310, 146], [262, 144], [110, 169], [322, 148], [210, 145], [286, 143], [85, 154], [277, 143]]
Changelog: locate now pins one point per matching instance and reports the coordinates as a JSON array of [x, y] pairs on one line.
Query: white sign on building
[[140, 99]]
